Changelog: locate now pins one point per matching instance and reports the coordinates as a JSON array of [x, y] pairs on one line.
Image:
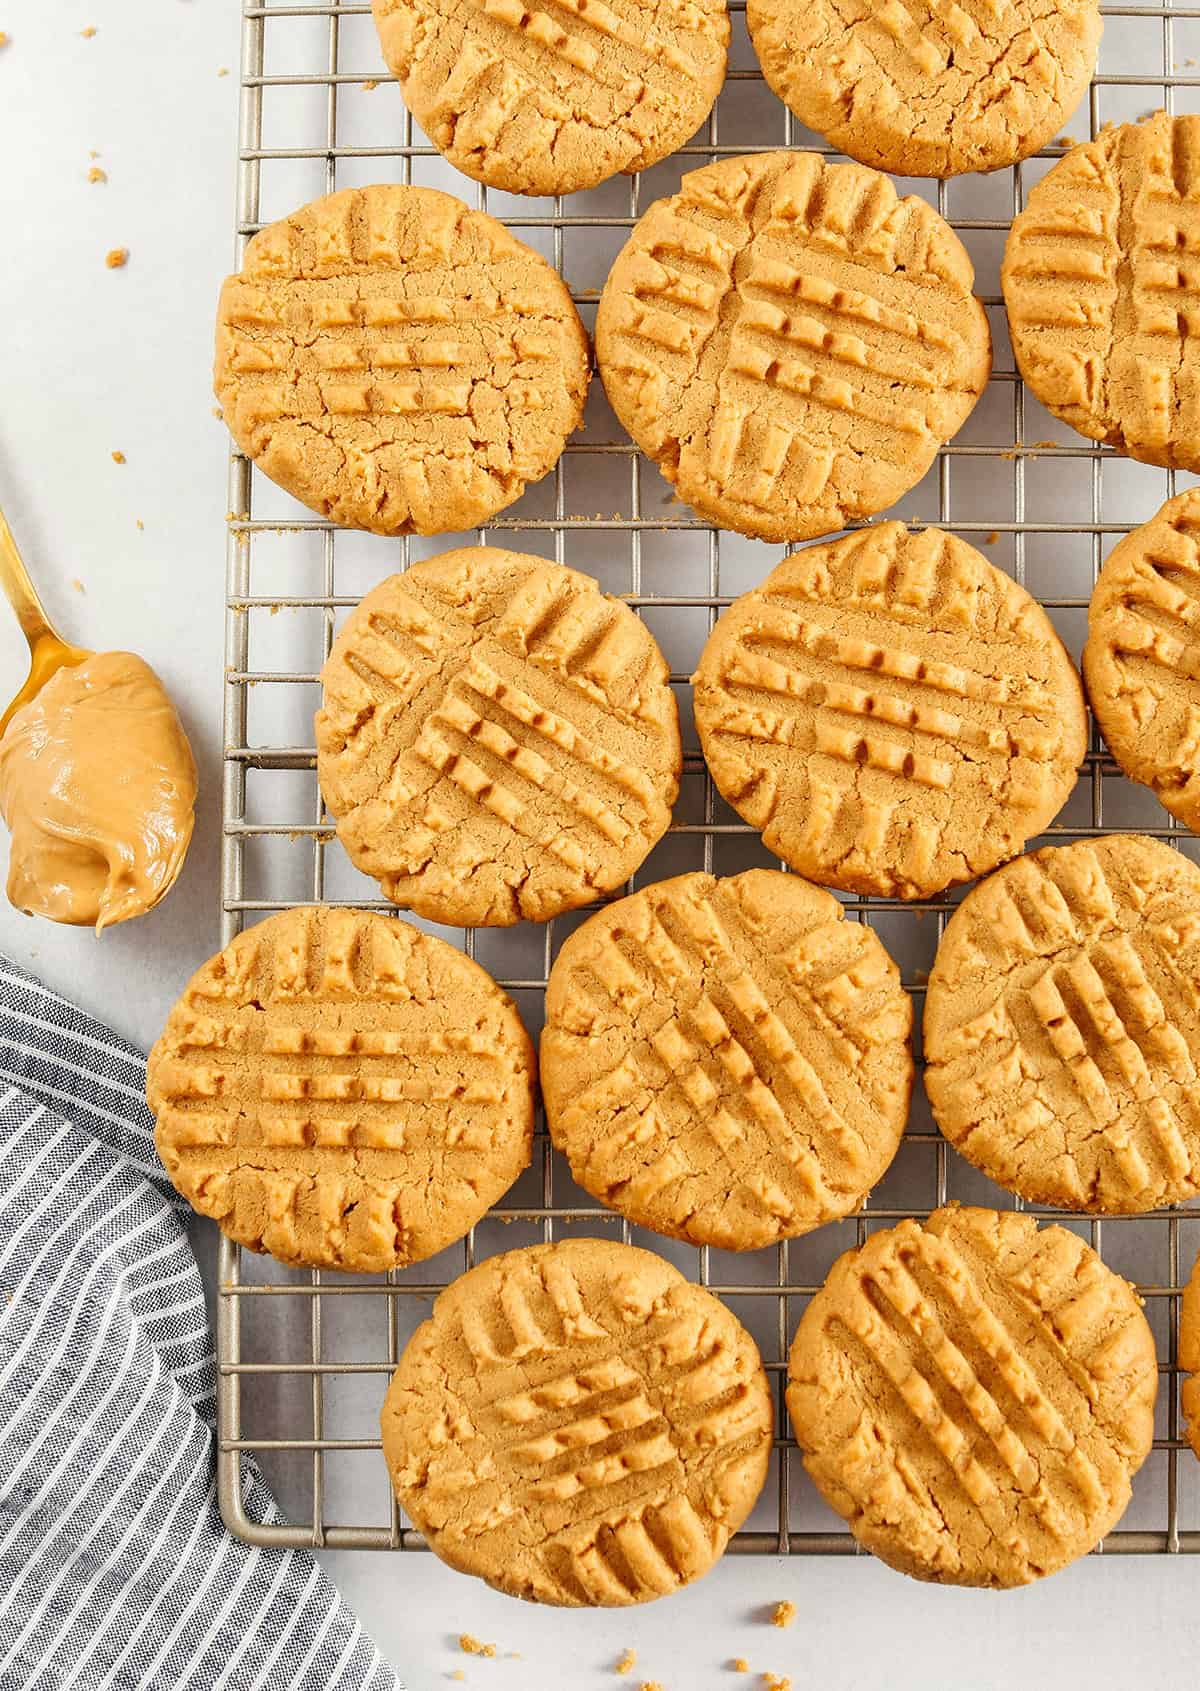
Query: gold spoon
[[48, 651]]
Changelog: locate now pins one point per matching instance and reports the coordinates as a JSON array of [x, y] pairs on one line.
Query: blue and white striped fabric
[[115, 1567]]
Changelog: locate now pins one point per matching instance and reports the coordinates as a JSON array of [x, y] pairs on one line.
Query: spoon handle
[[20, 591]]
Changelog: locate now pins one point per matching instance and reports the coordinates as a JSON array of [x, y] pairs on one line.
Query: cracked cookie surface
[[548, 102], [342, 1091], [1141, 662], [974, 1396], [497, 738], [924, 88], [577, 1424], [397, 361], [1062, 1026], [727, 1061], [892, 712], [790, 342], [1189, 1358], [1100, 280]]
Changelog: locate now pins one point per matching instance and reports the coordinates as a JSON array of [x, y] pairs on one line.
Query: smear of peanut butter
[[98, 788]]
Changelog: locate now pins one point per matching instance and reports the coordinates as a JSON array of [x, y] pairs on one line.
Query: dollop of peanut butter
[[98, 788]]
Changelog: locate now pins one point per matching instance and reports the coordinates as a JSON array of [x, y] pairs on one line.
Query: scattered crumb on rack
[[1065, 141], [627, 1662], [95, 174], [472, 1647], [784, 1614], [1045, 443], [118, 457], [370, 85], [117, 258], [992, 538]]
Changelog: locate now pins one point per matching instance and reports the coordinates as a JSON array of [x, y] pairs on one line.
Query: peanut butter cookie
[[1062, 1026], [790, 342], [342, 1091], [1142, 658], [549, 102], [577, 1424], [974, 1396], [1189, 1357], [399, 362], [923, 89], [498, 739], [727, 1061], [1100, 279], [891, 711]]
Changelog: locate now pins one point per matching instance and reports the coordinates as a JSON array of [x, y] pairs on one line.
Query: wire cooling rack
[[304, 1357]]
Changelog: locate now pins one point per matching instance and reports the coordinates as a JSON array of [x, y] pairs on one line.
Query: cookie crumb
[[472, 1647], [650, 1685], [95, 174], [3, 38], [992, 538], [370, 85], [774, 1682], [223, 70], [139, 522], [784, 1614], [92, 153], [88, 32], [627, 1662], [118, 457], [117, 258], [458, 1674], [739, 1664], [1065, 141], [78, 585]]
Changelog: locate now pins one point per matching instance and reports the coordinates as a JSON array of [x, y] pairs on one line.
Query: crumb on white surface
[[95, 174], [783, 1614], [88, 32], [139, 522], [776, 1682], [369, 86], [118, 457], [117, 258], [223, 71], [739, 1664], [78, 585], [472, 1647], [4, 38], [627, 1663]]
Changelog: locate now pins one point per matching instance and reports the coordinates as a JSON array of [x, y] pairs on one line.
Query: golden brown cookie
[[891, 711], [1141, 663], [1189, 1357], [974, 1396], [926, 89], [397, 361], [498, 739], [727, 1061], [547, 102], [341, 1090], [577, 1424], [790, 342], [1062, 1026], [1100, 279]]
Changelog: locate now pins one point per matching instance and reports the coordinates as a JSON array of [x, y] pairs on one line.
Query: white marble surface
[[92, 361]]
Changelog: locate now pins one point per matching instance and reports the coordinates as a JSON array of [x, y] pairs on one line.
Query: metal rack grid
[[304, 1356]]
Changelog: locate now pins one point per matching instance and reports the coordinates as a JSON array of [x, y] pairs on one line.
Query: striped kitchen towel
[[115, 1567]]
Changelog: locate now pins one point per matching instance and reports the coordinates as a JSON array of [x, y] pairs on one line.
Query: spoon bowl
[[48, 651]]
